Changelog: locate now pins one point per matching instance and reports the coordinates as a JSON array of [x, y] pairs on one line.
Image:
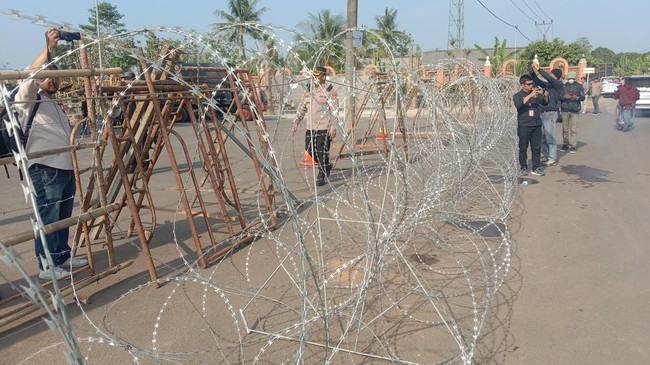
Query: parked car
[[610, 84], [642, 82]]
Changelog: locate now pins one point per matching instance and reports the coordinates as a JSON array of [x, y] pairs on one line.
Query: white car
[[642, 82], [609, 85]]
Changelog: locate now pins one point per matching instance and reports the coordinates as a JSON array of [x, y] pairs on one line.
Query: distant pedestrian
[[320, 106], [585, 88], [572, 94], [596, 89], [529, 123], [551, 111]]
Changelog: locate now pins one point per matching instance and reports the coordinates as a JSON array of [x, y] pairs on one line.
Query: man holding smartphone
[[529, 123], [52, 174], [550, 112]]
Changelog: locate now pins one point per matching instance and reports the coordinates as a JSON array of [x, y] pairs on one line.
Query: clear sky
[[621, 26]]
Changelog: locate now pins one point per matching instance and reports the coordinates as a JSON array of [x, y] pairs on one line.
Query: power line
[[531, 9], [517, 6], [543, 12], [503, 21]]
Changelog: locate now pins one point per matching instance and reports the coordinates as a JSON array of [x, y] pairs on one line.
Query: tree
[[323, 37], [499, 54], [242, 14], [577, 50], [397, 40], [546, 51], [110, 23], [109, 19], [602, 55], [632, 63]]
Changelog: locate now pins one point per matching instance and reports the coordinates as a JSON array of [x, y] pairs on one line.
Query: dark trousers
[[317, 143], [55, 191], [529, 135]]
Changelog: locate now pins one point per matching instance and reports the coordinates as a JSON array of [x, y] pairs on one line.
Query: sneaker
[[320, 182], [564, 148], [75, 262], [524, 171], [59, 273], [572, 149], [538, 171], [551, 162]]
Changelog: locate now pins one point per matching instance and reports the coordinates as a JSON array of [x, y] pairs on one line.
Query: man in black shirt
[[529, 124]]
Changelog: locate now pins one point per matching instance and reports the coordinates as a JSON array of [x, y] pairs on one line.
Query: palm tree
[[321, 29], [499, 55], [398, 41], [242, 14], [387, 28]]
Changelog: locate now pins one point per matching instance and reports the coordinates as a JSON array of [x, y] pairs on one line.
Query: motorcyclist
[[627, 96]]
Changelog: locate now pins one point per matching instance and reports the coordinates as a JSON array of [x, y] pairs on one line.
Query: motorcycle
[[625, 121]]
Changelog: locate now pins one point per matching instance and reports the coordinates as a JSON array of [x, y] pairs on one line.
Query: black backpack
[[8, 142]]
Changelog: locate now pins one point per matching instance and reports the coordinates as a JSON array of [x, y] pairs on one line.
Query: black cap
[[320, 70], [557, 73]]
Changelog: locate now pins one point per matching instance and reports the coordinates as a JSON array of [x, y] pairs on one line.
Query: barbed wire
[[399, 258]]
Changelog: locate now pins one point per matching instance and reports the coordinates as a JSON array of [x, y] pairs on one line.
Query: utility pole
[[350, 68], [543, 27]]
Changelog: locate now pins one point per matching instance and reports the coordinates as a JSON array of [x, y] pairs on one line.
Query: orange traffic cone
[[307, 160], [381, 133]]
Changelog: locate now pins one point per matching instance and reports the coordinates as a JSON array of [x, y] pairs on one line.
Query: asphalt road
[[579, 290]]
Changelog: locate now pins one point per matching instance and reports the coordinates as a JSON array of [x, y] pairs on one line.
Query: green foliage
[[242, 13], [633, 64], [110, 23], [69, 61], [397, 41], [109, 19], [630, 63], [499, 54], [602, 54], [387, 28], [546, 51], [323, 39]]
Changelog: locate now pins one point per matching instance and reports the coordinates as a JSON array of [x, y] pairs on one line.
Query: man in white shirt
[[52, 175]]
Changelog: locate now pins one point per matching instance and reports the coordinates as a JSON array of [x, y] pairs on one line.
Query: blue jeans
[[594, 99], [55, 191], [549, 144]]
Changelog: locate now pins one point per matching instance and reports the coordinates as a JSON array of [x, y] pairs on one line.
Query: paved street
[[577, 291]]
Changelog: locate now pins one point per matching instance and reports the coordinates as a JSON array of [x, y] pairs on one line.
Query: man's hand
[[535, 66], [52, 37], [332, 132]]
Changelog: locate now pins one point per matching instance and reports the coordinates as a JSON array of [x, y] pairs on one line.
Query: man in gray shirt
[[52, 175]]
